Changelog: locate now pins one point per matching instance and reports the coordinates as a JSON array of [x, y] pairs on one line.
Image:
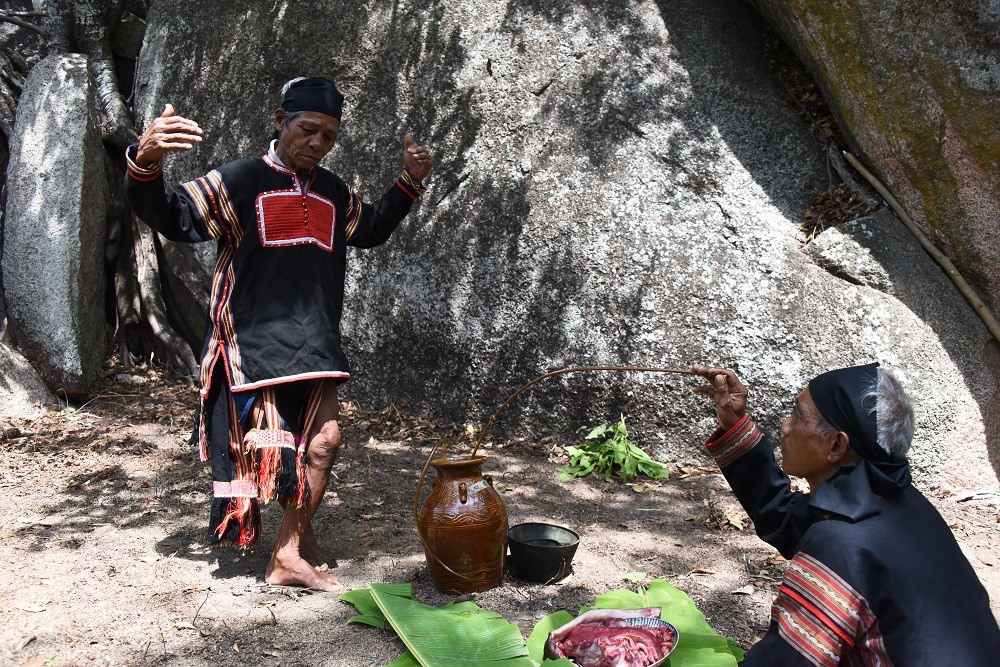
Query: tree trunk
[[144, 327]]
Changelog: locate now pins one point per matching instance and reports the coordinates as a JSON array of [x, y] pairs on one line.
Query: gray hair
[[290, 116], [893, 413], [290, 83], [286, 121]]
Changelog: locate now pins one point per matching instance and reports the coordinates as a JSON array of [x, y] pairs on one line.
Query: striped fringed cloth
[[270, 463]]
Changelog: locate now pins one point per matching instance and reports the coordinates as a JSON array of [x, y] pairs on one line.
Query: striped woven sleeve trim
[[141, 174], [727, 446], [353, 214], [409, 186], [823, 618], [214, 206]]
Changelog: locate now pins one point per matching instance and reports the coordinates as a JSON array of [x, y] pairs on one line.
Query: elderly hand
[[168, 132], [416, 158], [726, 390]]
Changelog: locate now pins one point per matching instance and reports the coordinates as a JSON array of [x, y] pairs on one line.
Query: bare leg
[[308, 546], [287, 567], [296, 550], [323, 445]]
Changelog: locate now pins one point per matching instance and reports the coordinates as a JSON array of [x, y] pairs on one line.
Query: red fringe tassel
[[246, 513], [268, 464]]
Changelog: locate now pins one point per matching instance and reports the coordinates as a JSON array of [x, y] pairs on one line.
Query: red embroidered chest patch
[[287, 217]]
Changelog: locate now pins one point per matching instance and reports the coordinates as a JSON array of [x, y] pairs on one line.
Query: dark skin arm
[[417, 158], [780, 516], [168, 133], [727, 392]]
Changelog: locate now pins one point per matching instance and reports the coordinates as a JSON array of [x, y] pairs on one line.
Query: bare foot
[[293, 570], [309, 547], [310, 551]]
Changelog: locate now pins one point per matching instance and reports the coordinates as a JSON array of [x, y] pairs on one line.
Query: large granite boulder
[[22, 392], [613, 184], [916, 87], [53, 250]]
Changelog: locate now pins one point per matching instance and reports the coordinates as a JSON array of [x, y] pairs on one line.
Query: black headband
[[843, 398], [313, 94], [840, 397]]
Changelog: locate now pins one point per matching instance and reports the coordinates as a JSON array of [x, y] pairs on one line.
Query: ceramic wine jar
[[463, 523]]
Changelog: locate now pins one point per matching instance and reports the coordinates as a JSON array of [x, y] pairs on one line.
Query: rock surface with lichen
[[613, 184], [916, 88], [56, 225]]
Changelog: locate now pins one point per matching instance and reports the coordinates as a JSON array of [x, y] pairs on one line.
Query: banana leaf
[[368, 611], [454, 635], [536, 641], [405, 660]]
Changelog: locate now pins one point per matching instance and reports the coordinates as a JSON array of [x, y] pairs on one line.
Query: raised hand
[[167, 133], [726, 390], [417, 159]]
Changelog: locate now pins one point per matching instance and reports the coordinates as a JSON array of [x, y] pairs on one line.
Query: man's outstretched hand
[[726, 390], [167, 133], [417, 158]]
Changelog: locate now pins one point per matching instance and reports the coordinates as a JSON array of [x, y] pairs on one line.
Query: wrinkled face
[[306, 139], [806, 449]]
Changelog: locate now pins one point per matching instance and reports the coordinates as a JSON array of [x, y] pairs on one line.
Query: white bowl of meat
[[614, 638]]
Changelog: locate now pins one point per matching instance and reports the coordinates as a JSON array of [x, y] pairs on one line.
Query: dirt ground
[[104, 560]]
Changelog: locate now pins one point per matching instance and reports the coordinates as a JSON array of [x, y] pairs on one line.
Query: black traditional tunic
[[278, 285], [875, 576]]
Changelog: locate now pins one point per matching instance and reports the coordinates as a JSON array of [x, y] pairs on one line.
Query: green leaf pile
[[609, 451]]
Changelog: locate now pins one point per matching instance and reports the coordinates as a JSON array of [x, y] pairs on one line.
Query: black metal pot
[[541, 551]]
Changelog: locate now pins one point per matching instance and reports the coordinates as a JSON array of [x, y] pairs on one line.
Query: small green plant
[[607, 451]]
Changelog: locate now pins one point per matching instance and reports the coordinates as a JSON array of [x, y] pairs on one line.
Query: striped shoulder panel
[[823, 618], [214, 205], [353, 215]]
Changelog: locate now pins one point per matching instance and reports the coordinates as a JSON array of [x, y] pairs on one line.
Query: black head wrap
[[843, 398], [313, 94]]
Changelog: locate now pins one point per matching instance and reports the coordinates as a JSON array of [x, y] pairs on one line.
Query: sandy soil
[[104, 560]]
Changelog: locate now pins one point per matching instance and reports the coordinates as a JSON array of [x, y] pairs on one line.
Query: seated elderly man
[[876, 577]]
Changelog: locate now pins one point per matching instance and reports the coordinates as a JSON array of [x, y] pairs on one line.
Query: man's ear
[[840, 448], [279, 118]]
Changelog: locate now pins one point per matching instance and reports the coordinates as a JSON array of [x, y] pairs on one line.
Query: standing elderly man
[[875, 576], [272, 359]]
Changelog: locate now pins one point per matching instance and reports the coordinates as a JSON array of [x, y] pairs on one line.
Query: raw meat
[[614, 638]]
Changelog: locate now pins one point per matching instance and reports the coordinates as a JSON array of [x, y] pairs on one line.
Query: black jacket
[[278, 286], [875, 577]]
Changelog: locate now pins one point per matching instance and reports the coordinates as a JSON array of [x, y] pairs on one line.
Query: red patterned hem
[[727, 446]]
